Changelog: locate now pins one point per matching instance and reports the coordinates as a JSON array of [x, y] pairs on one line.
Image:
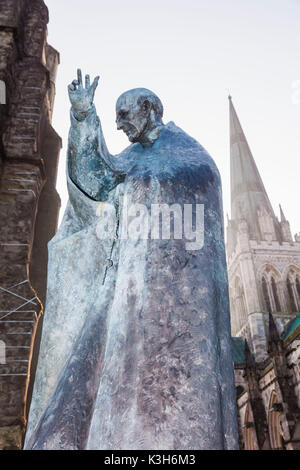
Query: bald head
[[139, 113]]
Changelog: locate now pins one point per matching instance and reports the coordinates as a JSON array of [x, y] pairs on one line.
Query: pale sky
[[192, 53]]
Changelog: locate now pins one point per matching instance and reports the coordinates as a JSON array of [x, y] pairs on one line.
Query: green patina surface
[[238, 344], [291, 327]]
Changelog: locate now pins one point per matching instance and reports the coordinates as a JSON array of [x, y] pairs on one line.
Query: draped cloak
[[136, 348]]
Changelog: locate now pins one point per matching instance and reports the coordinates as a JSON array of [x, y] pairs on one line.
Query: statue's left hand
[[82, 98]]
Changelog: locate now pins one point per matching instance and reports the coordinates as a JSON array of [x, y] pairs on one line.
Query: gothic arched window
[[266, 294], [249, 433], [275, 430], [240, 310], [291, 295], [275, 295]]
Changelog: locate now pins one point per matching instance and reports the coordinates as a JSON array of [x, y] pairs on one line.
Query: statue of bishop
[[136, 346]]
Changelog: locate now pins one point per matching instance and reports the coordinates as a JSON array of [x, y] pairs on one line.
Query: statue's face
[[132, 117]]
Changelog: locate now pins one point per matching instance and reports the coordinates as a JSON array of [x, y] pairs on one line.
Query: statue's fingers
[[87, 82], [79, 76], [71, 87], [75, 83], [95, 84]]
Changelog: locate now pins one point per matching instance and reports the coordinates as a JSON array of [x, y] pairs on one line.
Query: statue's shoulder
[[188, 161], [124, 160], [187, 149]]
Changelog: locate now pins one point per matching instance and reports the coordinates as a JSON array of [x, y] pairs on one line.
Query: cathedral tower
[[29, 203], [263, 258]]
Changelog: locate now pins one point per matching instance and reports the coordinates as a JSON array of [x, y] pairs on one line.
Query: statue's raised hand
[[82, 98]]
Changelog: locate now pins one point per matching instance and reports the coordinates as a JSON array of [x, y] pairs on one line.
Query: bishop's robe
[[136, 347]]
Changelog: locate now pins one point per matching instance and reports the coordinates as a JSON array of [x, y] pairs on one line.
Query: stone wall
[[29, 203]]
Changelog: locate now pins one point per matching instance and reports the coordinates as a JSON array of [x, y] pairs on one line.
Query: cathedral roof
[[248, 193], [292, 328]]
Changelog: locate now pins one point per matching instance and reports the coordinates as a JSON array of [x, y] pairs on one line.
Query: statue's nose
[[118, 124]]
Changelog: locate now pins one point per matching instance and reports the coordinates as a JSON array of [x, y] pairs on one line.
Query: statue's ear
[[146, 106]]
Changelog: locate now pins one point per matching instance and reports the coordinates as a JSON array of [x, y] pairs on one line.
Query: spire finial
[[282, 216]]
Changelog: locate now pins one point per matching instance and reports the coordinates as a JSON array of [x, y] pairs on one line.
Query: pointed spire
[[286, 233], [248, 193], [282, 216]]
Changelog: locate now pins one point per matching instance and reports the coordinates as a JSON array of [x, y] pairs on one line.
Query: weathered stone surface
[[10, 13], [36, 18], [29, 152], [7, 48], [11, 437]]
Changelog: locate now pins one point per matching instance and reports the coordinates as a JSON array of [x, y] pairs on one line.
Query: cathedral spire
[[248, 194], [286, 234], [282, 216]]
